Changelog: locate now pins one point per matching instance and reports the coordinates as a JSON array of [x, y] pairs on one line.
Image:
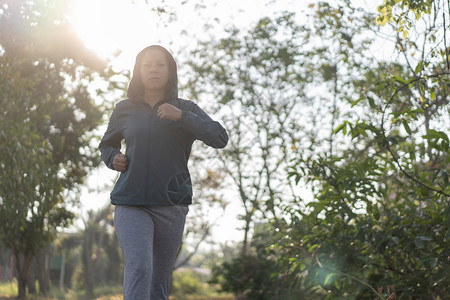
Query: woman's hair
[[136, 87]]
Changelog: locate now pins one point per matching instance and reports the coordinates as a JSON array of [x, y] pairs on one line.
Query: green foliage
[[378, 222], [8, 289], [415, 7], [46, 123], [248, 275], [260, 275], [188, 282], [30, 176], [253, 73], [192, 284], [92, 255], [100, 258], [415, 22], [368, 229], [379, 217]]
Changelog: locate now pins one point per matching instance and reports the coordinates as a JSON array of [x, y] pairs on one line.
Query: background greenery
[[309, 108]]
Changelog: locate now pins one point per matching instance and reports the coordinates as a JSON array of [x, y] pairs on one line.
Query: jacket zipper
[[148, 142]]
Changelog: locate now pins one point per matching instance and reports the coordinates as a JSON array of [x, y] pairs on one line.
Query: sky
[[131, 25], [127, 26]]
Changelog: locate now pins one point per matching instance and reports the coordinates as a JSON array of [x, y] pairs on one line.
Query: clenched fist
[[120, 162], [170, 112]]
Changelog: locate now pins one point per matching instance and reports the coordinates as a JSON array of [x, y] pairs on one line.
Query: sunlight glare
[[106, 26]]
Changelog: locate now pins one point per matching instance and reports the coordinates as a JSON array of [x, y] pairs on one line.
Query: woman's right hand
[[120, 162]]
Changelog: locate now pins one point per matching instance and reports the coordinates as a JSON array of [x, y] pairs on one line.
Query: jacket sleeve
[[111, 141], [203, 127]]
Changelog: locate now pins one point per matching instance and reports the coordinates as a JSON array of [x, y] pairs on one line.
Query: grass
[[8, 290]]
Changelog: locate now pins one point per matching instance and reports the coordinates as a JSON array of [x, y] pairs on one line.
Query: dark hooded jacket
[[157, 150]]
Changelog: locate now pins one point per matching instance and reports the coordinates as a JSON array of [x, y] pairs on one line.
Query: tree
[[377, 222], [207, 183], [91, 253], [338, 45], [376, 226], [46, 124], [257, 89], [98, 231]]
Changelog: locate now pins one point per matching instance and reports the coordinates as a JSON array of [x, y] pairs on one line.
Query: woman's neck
[[153, 96]]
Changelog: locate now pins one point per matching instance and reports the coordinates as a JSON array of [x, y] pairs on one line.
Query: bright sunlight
[[107, 26]]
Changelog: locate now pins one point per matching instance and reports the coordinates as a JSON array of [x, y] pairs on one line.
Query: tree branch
[[383, 132]]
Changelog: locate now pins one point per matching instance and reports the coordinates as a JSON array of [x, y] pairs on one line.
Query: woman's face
[[154, 70]]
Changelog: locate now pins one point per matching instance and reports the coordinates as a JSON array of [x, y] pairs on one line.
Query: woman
[[154, 189]]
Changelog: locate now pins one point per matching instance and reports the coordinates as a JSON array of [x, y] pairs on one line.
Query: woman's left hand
[[170, 112]]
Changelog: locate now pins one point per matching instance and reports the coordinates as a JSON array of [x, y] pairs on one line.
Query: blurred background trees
[[255, 75], [47, 119], [373, 148]]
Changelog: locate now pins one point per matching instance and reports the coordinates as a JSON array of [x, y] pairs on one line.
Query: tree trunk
[[88, 262], [11, 267], [43, 274], [246, 231], [62, 271], [31, 279], [22, 272]]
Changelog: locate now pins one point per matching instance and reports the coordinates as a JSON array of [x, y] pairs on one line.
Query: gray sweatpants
[[150, 237]]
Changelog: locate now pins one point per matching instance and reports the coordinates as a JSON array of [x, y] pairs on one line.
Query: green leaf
[[435, 134], [406, 126], [380, 87], [418, 67], [302, 266], [356, 101], [433, 93], [371, 102], [342, 127], [337, 285], [376, 213], [400, 79], [445, 176], [312, 247], [328, 278]]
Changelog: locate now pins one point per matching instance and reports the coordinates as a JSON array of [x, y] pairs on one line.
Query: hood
[[136, 88]]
